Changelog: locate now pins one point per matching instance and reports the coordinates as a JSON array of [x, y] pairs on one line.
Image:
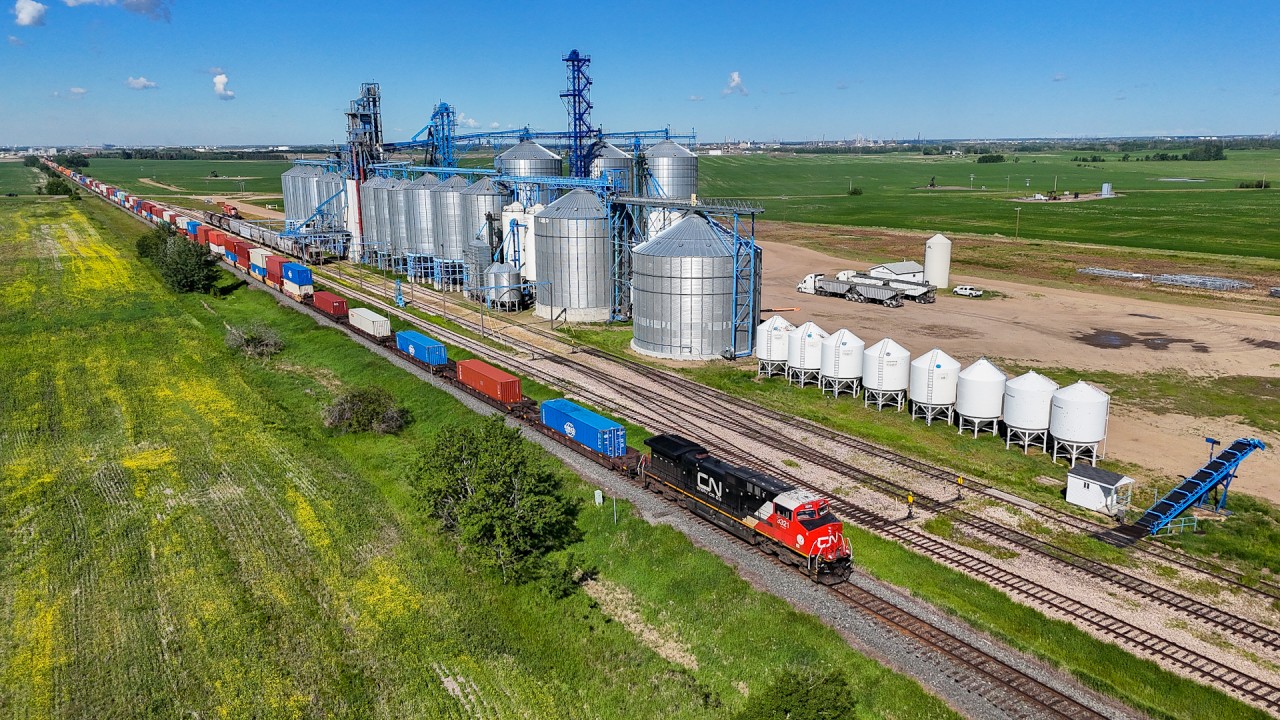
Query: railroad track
[[1006, 687], [1243, 685]]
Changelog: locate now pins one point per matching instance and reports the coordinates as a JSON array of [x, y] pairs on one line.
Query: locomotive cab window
[[806, 514], [784, 513]]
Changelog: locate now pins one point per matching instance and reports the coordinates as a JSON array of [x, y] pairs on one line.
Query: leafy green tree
[[152, 245], [799, 695], [187, 267], [991, 158], [58, 186], [500, 500], [31, 161]]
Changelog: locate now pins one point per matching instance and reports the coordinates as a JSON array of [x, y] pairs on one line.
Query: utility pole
[[1017, 223]]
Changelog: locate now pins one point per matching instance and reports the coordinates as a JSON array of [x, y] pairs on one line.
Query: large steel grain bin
[[529, 159], [682, 293], [674, 171], [574, 257], [420, 347], [583, 426], [369, 322]]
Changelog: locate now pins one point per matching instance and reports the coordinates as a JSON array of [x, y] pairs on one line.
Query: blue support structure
[[577, 100], [1217, 472]]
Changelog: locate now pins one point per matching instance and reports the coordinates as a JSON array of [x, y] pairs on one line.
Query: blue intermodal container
[[299, 275], [420, 347], [257, 270], [581, 425], [192, 227]]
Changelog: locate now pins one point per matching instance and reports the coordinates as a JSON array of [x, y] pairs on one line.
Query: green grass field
[[181, 537], [192, 176], [1210, 216], [18, 178]]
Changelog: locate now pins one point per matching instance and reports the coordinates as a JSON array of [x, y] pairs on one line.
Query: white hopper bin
[[980, 397], [937, 261], [841, 366], [804, 354], [1078, 422], [1027, 399], [934, 381], [771, 346], [886, 372]]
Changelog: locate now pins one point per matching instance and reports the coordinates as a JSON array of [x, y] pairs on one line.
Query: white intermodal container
[[258, 256], [370, 322]]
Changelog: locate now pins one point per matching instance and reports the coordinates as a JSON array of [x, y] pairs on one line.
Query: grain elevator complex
[[612, 231]]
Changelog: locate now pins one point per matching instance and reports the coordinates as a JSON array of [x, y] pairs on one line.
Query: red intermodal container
[[242, 255], [274, 279], [274, 264], [202, 234], [330, 304], [489, 380]]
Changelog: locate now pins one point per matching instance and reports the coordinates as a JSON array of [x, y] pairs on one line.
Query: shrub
[[855, 191], [185, 266], [1256, 184], [802, 695], [256, 341], [991, 158], [367, 409]]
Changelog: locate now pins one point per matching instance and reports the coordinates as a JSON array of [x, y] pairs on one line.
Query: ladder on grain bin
[[1195, 488]]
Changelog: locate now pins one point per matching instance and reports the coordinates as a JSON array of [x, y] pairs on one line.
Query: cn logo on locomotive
[[709, 486]]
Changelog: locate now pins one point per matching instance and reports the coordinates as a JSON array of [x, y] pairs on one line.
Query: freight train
[[795, 524]]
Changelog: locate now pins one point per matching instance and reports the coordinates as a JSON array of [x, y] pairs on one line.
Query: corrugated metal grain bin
[[420, 347], [369, 321], [296, 274], [489, 380], [581, 425], [329, 303]]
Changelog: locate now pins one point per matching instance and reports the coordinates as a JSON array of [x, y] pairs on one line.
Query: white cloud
[[154, 9], [494, 125], [735, 85], [696, 98], [215, 70], [140, 83], [29, 13], [77, 92], [467, 122], [220, 87], [1059, 77], [15, 41]]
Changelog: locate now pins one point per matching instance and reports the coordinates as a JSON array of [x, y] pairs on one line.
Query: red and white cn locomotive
[[795, 524]]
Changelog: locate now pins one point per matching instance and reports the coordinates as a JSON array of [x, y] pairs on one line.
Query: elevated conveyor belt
[[1219, 471]]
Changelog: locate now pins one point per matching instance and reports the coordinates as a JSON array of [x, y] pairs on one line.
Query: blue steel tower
[[577, 100]]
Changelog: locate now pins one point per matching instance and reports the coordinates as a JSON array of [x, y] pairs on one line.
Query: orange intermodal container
[[490, 381]]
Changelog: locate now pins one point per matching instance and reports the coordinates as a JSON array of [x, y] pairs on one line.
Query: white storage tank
[[771, 346], [886, 373], [935, 377], [841, 367], [980, 397], [1078, 422], [1027, 400], [937, 261], [804, 353]]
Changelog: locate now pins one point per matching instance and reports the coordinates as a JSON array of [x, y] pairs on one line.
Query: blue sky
[[804, 70]]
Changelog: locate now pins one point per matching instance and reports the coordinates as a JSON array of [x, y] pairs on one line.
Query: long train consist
[[794, 524]]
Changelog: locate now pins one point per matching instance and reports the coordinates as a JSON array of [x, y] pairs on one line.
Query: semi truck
[[877, 290], [921, 292]]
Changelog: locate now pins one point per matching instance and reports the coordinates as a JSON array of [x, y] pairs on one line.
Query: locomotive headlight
[[799, 541]]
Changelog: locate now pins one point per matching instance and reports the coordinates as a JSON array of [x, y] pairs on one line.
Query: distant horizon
[[904, 142]]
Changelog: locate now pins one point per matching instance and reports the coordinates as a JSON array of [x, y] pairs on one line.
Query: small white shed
[[905, 270], [1097, 489]]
